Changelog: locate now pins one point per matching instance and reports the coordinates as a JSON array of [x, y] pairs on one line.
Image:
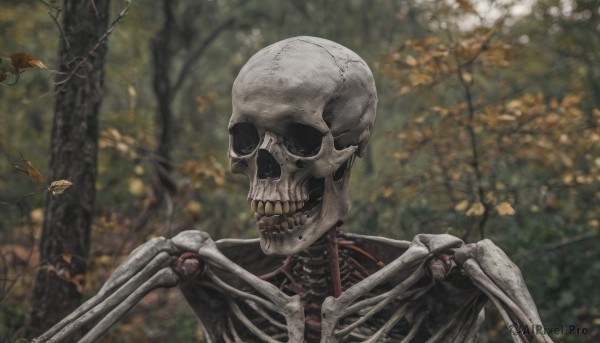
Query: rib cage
[[307, 275]]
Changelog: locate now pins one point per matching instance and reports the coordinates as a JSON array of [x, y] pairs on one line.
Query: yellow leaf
[[136, 186], [420, 79], [440, 110], [58, 187], [506, 117], [477, 209], [505, 209], [402, 155], [31, 171], [461, 206], [21, 60], [387, 191], [34, 174], [467, 77], [404, 90], [411, 61], [37, 215], [193, 209]]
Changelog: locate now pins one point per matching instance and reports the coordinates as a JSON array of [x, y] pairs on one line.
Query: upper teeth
[[270, 208]]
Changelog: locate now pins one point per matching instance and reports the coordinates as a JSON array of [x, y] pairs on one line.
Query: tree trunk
[[161, 46], [65, 238]]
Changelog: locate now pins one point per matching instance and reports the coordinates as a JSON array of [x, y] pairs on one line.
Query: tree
[[73, 155]]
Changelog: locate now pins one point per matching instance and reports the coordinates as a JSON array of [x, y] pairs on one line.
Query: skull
[[303, 108]]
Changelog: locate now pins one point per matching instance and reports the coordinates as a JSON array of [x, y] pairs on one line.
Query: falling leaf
[[31, 171], [21, 60], [58, 187], [505, 209]]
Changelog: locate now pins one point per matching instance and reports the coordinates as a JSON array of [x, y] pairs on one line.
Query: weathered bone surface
[[303, 108]]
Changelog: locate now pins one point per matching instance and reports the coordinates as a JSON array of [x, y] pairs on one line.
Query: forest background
[[488, 126]]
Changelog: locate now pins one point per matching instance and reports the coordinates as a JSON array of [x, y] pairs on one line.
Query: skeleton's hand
[[165, 263], [146, 269], [500, 279]]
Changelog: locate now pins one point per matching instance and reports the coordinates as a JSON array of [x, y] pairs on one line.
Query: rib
[[244, 295], [237, 312], [401, 288]]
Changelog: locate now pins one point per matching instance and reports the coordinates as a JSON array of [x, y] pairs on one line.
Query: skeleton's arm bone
[[289, 306], [148, 268]]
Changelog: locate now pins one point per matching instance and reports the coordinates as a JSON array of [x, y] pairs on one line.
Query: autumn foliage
[[16, 64], [488, 127]]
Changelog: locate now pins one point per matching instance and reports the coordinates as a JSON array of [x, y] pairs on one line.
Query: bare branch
[[558, 245], [195, 55], [103, 38]]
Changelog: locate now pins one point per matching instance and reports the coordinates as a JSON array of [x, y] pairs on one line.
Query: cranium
[[303, 108]]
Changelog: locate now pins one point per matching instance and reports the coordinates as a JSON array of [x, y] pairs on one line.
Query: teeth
[[290, 221], [286, 207], [303, 219], [270, 221], [278, 208], [268, 208], [284, 224], [260, 208]]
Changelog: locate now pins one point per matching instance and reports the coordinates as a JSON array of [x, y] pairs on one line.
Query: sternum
[[313, 282]]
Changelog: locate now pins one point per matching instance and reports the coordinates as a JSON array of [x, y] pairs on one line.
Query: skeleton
[[303, 109]]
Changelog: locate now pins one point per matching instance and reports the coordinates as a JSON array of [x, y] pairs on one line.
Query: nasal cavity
[[267, 166]]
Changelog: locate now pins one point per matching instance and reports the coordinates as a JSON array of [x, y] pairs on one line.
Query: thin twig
[[480, 224], [54, 13], [558, 245], [194, 56], [112, 26]]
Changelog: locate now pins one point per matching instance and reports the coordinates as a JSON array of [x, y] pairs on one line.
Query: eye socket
[[245, 138], [302, 140]]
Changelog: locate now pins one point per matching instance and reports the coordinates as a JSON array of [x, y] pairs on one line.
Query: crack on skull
[[318, 100], [343, 78]]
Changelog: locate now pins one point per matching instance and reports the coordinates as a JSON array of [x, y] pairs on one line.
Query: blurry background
[[488, 127]]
